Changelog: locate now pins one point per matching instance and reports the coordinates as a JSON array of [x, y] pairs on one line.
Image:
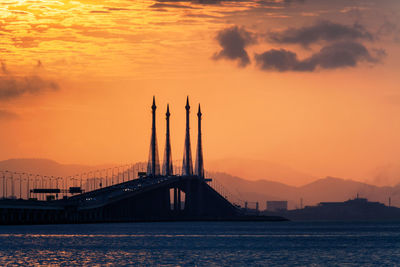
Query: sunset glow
[[308, 85]]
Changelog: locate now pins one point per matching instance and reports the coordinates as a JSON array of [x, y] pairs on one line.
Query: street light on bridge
[[4, 183]]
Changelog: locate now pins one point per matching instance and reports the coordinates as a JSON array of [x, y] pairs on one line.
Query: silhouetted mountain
[[336, 189], [327, 189], [260, 170], [47, 167]]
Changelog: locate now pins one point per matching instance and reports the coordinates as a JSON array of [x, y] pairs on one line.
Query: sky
[[308, 84]]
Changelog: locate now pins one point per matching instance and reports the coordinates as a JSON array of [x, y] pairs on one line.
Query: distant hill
[[47, 167], [326, 189], [260, 170]]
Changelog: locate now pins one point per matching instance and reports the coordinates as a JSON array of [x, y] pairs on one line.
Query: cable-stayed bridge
[[130, 192]]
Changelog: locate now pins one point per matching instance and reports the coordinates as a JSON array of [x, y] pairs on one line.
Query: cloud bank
[[233, 41], [15, 86], [7, 115], [340, 46], [338, 55], [320, 31]]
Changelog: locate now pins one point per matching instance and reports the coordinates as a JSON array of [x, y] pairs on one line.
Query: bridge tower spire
[[199, 166], [153, 165], [187, 165], [167, 164]]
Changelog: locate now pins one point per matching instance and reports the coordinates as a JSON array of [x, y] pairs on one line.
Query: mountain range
[[321, 190], [257, 169], [261, 190]]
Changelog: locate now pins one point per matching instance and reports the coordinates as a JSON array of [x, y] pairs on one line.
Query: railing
[[235, 199], [21, 185]]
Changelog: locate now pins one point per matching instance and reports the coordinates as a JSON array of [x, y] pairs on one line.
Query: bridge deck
[[143, 199]]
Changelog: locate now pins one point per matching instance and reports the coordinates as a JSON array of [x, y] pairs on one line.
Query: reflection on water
[[202, 243]]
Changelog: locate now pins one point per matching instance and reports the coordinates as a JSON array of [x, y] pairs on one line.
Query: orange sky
[[78, 77]]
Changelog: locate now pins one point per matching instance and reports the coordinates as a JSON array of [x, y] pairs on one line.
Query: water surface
[[203, 244]]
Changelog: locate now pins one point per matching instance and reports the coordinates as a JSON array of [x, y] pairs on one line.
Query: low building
[[276, 205]]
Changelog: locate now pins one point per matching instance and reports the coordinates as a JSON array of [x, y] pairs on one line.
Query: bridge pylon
[[187, 165], [199, 165], [153, 165], [167, 169]]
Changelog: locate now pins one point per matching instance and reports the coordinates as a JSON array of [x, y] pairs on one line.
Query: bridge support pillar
[[179, 199], [175, 199]]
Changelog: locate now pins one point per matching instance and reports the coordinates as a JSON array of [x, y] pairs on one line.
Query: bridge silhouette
[[130, 192]]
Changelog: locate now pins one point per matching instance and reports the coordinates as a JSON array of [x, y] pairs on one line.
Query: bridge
[[131, 192]]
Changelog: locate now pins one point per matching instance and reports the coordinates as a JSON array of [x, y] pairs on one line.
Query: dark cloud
[[100, 12], [205, 2], [7, 115], [4, 69], [320, 31], [293, 1], [206, 16], [338, 55], [39, 64], [389, 29], [15, 86], [117, 8], [166, 5], [213, 2], [233, 41]]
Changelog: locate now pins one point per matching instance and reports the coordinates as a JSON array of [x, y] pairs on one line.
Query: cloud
[[320, 31], [166, 5], [211, 2], [337, 55], [15, 86], [117, 8], [233, 41], [8, 115], [4, 69], [293, 1], [100, 11]]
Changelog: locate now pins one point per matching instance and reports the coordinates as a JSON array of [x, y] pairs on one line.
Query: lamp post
[[61, 179], [89, 181], [65, 186], [94, 180], [86, 185], [12, 184], [43, 183], [106, 176], [97, 179], [35, 182], [20, 185], [118, 174], [4, 184], [112, 176], [57, 178], [121, 172], [101, 177], [28, 193]]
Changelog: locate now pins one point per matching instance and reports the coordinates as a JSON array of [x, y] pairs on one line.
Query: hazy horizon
[[241, 168]]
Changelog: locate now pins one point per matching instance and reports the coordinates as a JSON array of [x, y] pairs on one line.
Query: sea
[[202, 244]]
